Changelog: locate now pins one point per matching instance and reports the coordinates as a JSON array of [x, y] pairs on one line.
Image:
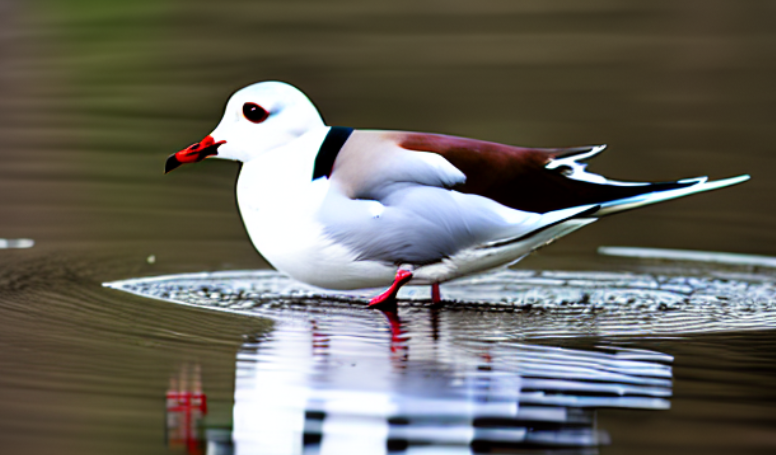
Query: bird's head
[[257, 118]]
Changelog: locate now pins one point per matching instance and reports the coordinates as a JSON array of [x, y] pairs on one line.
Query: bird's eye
[[254, 112]]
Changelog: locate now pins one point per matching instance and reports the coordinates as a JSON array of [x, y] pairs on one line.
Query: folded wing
[[392, 198], [530, 179]]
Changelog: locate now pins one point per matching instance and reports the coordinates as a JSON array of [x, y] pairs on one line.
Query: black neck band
[[330, 147]]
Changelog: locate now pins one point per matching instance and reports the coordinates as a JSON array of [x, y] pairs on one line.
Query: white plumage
[[432, 207]]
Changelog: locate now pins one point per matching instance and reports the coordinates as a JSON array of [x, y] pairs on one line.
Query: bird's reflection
[[399, 339], [333, 386]]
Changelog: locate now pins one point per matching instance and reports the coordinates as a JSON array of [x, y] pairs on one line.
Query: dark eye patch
[[254, 112]]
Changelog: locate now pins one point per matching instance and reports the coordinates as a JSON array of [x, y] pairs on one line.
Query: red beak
[[193, 153]]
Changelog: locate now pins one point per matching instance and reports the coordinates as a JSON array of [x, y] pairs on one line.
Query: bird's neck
[[280, 175]]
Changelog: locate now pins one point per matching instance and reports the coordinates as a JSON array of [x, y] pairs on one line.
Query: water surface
[[94, 96]]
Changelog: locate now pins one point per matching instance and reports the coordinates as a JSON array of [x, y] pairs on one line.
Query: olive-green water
[[95, 95]]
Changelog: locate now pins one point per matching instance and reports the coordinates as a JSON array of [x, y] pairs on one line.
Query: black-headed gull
[[341, 208]]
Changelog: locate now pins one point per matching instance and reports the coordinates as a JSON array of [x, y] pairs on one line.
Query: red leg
[[388, 298], [436, 296]]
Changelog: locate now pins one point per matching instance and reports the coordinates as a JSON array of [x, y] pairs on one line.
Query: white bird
[[340, 208]]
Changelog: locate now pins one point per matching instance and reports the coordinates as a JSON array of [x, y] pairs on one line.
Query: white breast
[[278, 201]]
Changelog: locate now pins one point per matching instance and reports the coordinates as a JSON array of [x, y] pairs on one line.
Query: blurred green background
[[96, 94]]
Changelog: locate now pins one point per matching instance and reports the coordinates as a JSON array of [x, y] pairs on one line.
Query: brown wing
[[517, 177]]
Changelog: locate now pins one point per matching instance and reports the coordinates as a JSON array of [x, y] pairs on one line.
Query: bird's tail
[[697, 185]]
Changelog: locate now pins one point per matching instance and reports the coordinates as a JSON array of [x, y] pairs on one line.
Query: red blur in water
[[186, 406]]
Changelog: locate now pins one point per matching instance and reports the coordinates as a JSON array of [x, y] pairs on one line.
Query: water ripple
[[530, 304]]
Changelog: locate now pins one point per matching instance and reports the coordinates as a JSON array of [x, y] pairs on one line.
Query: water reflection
[[474, 375], [506, 366], [186, 406], [334, 386], [16, 243]]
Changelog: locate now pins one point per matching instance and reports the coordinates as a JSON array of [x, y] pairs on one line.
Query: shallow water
[[530, 304], [656, 356], [467, 376]]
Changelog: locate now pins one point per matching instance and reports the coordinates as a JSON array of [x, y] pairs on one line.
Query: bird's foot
[[387, 300]]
